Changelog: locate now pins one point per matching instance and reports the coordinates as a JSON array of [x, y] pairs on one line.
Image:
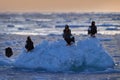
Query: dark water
[[12, 74]]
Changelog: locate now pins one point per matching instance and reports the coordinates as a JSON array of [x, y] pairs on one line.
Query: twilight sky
[[60, 5]]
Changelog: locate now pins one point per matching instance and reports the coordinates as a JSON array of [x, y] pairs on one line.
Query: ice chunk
[[87, 54]]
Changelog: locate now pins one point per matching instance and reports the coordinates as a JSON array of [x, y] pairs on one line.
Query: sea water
[[15, 27]]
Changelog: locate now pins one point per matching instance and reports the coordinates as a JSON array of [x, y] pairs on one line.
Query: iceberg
[[55, 56]]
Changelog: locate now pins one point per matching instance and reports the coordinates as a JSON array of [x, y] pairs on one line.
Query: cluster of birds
[[67, 35]]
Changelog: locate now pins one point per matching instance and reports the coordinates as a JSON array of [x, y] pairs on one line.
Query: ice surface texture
[[85, 55]]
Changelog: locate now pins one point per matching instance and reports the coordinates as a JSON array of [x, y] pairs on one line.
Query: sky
[[60, 5]]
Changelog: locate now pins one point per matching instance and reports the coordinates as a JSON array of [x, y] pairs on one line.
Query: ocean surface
[[15, 27]]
